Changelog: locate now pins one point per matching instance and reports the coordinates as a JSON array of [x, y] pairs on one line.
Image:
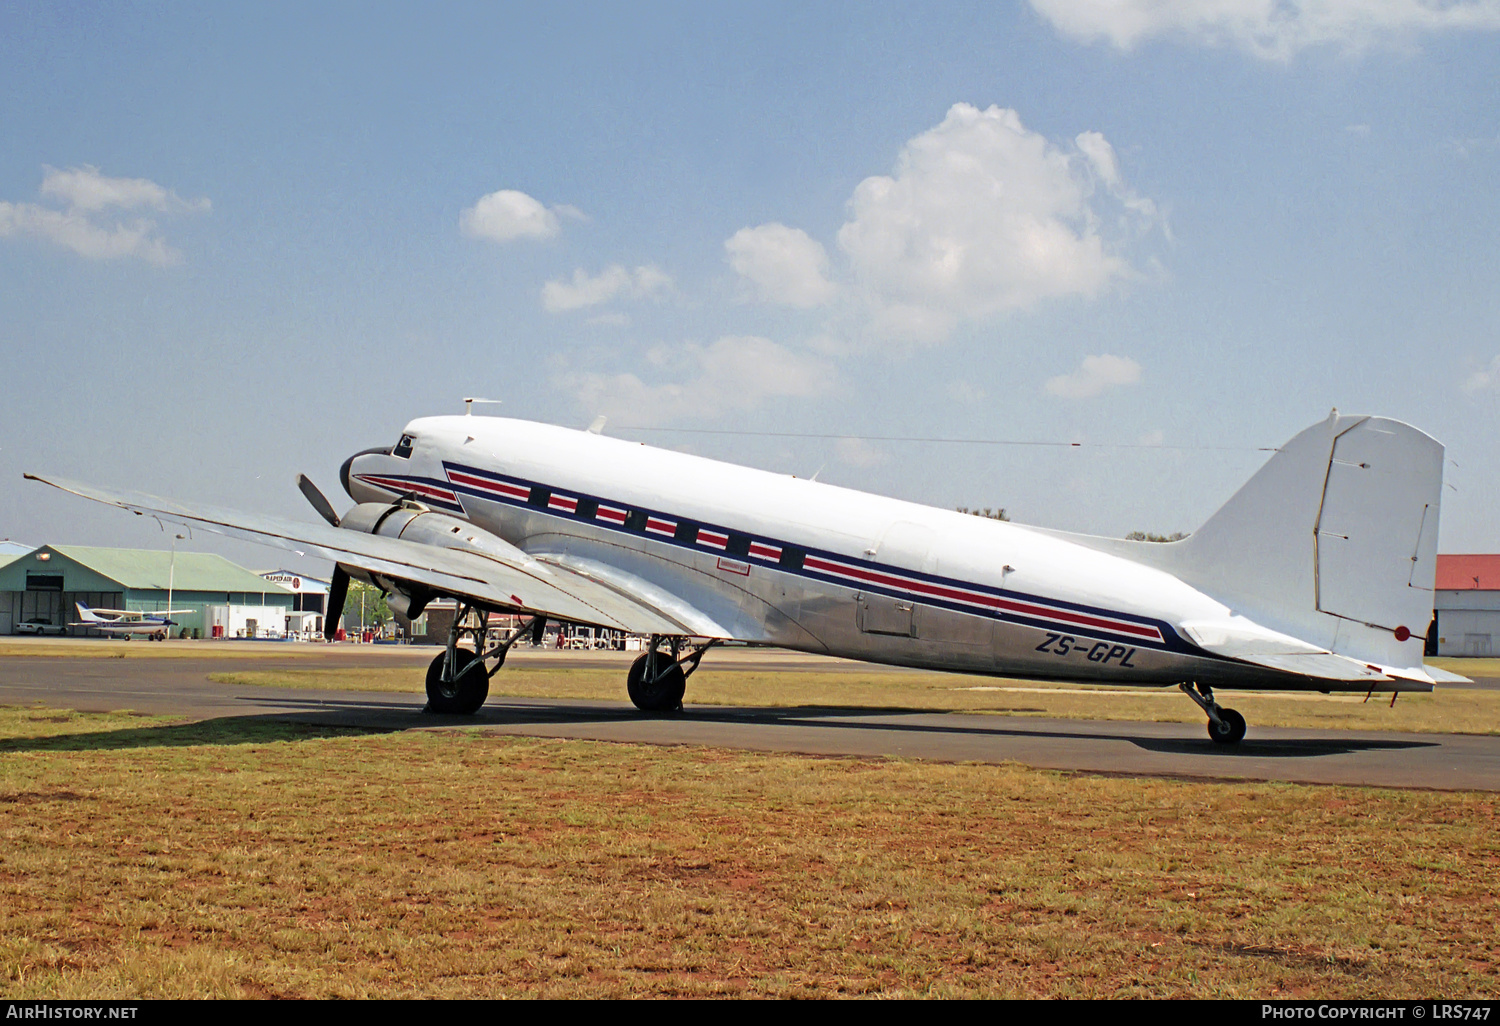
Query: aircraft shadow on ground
[[229, 730], [510, 712], [1296, 748]]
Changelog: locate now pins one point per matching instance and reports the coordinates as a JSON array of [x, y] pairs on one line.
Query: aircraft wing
[[505, 580], [140, 614]]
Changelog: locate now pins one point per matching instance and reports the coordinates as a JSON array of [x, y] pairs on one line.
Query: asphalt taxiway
[[180, 686]]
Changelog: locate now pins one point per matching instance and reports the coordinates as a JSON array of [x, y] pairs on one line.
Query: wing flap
[[520, 584]]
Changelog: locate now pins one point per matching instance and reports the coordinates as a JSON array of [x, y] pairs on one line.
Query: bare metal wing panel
[[518, 582]]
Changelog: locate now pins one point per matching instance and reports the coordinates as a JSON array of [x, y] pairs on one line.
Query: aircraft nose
[[344, 471]]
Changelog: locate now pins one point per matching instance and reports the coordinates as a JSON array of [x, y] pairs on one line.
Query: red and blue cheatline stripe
[[425, 490], [961, 596]]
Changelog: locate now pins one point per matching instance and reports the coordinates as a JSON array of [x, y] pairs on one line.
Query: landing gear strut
[[658, 679], [458, 680], [1225, 726]]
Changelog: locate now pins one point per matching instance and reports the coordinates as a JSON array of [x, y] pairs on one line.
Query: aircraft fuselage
[[809, 566]]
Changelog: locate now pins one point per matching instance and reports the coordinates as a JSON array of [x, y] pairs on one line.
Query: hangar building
[[48, 581], [1467, 605]]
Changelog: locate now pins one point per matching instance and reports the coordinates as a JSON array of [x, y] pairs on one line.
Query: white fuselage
[[809, 566], [124, 625]]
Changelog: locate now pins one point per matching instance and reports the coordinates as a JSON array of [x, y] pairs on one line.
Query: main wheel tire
[[664, 694], [1230, 730], [463, 695]]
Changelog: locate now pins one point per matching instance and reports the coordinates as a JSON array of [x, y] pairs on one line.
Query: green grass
[[260, 860]]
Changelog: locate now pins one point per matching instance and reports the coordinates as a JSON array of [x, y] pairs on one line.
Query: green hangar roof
[[152, 570]]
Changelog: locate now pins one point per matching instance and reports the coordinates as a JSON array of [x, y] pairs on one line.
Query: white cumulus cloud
[[983, 216], [584, 291], [1096, 375], [85, 190], [1268, 29], [735, 373], [781, 265], [90, 220], [507, 214]]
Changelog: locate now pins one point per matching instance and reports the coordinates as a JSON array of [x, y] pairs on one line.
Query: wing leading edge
[[499, 578]]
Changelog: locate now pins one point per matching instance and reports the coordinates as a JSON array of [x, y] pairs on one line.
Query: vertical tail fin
[[1333, 541]]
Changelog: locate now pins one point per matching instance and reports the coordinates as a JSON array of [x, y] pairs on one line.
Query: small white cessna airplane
[[1316, 575], [128, 621]]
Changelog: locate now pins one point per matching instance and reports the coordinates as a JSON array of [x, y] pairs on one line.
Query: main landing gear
[[458, 680], [657, 680], [1225, 726]]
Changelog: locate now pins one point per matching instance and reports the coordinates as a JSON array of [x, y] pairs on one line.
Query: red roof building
[[1466, 573], [1467, 606]]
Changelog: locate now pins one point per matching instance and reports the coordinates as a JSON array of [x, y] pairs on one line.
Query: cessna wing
[[470, 563], [139, 614]]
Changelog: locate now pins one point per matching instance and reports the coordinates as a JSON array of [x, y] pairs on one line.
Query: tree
[[1148, 537], [995, 514], [376, 611]]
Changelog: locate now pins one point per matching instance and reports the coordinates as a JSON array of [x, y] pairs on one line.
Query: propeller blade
[[318, 499], [338, 590]]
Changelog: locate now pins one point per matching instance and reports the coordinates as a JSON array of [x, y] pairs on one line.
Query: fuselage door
[[903, 546], [881, 614]]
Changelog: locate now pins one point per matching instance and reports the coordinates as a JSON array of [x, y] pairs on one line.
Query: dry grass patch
[[455, 864], [1467, 666], [1447, 710]]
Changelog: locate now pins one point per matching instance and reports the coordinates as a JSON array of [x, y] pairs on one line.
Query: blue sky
[[236, 244]]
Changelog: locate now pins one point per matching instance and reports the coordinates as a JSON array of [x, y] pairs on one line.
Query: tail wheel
[[466, 692], [664, 692], [1230, 730]]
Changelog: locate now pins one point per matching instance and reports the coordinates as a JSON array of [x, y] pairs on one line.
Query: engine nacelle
[[414, 523]]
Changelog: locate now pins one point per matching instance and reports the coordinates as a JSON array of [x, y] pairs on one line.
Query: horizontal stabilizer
[[1322, 665], [1246, 641]]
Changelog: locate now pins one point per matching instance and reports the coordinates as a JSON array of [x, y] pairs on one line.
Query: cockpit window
[[403, 448]]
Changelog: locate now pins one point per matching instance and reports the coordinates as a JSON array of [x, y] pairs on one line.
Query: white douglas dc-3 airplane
[[1316, 575], [128, 621]]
